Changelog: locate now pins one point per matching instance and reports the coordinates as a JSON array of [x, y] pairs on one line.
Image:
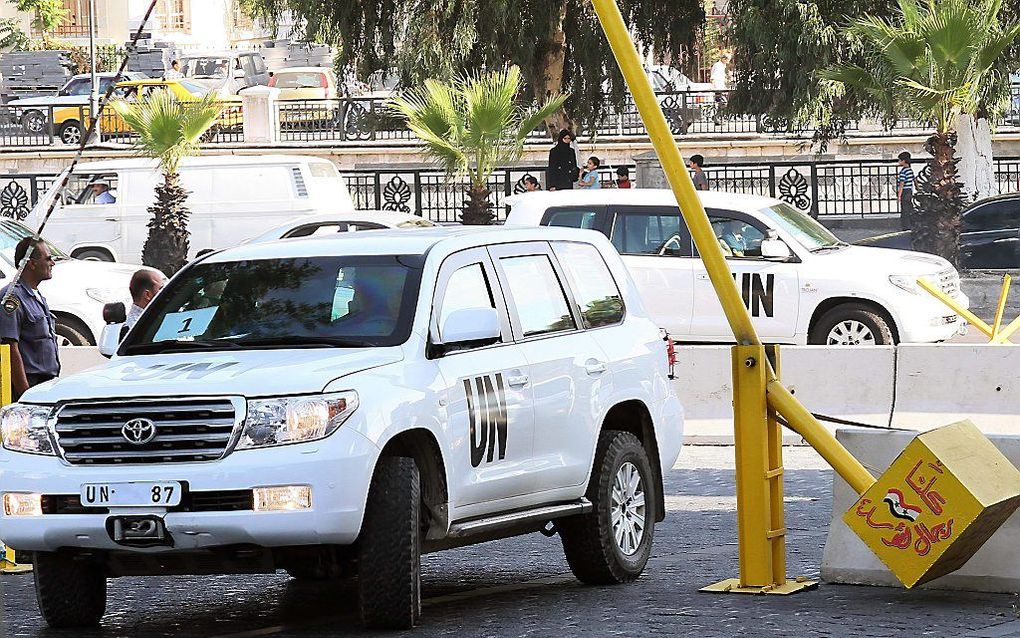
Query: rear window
[[595, 290], [299, 80]]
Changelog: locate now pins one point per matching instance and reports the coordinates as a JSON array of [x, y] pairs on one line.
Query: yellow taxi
[[307, 94], [71, 122]]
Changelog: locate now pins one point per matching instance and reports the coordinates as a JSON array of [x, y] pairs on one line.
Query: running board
[[514, 519]]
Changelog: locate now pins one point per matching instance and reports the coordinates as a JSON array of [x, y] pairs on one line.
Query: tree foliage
[[472, 126], [47, 15], [558, 44]]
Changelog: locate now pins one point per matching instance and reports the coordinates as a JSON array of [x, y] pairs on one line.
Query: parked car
[[230, 198], [989, 238], [800, 283], [70, 125], [337, 406], [227, 72], [33, 113], [78, 291], [305, 83], [331, 223]]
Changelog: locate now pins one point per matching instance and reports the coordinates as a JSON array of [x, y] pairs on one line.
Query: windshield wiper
[[161, 346], [307, 341], [836, 246]]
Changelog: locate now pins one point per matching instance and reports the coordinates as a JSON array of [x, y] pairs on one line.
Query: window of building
[[174, 15], [76, 19]]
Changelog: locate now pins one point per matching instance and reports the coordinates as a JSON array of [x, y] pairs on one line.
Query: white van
[[230, 198]]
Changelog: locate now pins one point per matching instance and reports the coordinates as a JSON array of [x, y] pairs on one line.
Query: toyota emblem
[[138, 431]]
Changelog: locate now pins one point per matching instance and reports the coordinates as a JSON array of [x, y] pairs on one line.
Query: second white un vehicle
[[337, 406], [800, 283]]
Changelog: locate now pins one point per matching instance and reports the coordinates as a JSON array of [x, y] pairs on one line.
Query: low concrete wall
[[846, 559]]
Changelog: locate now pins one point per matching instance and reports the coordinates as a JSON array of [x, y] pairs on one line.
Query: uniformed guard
[[26, 323]]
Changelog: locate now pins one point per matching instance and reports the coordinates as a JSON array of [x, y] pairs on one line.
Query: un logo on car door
[[486, 403]]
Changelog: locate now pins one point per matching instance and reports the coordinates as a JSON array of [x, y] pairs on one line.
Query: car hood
[[77, 275], [883, 260], [250, 373]]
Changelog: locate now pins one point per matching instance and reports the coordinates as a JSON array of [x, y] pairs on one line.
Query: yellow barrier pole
[[973, 319], [1004, 334], [8, 561], [1006, 280]]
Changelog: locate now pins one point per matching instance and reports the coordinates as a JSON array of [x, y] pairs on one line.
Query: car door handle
[[517, 380], [594, 366]]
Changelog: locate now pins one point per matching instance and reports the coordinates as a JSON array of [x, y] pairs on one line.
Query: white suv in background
[[800, 283], [338, 405]]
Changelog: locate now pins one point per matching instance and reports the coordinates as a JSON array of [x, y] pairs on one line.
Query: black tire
[[93, 254], [71, 331], [389, 547], [71, 133], [589, 541], [71, 594], [34, 122], [851, 316]]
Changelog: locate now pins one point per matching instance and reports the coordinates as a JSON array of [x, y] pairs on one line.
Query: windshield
[[217, 68], [303, 80], [11, 232], [808, 232], [346, 301], [193, 88]]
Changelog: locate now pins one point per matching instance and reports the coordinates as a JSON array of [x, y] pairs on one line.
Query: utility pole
[[94, 91]]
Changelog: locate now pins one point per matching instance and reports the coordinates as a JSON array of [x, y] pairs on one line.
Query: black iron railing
[[826, 189]]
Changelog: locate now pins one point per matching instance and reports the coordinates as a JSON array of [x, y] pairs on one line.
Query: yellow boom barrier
[[760, 399]]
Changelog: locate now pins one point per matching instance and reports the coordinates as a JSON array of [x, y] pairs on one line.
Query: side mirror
[[470, 325], [114, 313], [774, 248]]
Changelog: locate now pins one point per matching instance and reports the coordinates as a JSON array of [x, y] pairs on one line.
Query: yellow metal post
[[1004, 334], [973, 319], [774, 475], [1006, 280], [8, 561]]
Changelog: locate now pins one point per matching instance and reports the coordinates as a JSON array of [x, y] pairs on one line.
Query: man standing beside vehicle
[[30, 330], [905, 190], [144, 285]]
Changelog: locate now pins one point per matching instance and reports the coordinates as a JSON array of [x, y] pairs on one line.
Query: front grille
[[208, 501], [68, 504], [186, 431], [949, 282]]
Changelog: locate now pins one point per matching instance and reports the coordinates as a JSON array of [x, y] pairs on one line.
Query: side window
[[651, 232], [468, 287], [993, 216], [259, 63], [311, 230], [594, 288], [537, 294], [737, 237], [248, 64], [571, 217], [95, 188]]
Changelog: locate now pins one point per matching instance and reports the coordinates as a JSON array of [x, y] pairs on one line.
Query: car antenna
[[10, 303]]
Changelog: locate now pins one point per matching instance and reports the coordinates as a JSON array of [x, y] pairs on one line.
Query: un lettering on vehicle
[[487, 418], [757, 292]]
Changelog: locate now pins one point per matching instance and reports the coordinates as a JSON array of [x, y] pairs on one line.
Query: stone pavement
[[522, 587]]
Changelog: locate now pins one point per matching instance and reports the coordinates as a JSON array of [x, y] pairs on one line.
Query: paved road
[[522, 587]]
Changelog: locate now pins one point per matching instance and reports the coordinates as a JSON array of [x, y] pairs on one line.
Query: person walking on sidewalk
[[905, 191], [562, 171], [30, 330]]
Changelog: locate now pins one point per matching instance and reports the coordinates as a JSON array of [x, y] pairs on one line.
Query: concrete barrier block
[[937, 384], [847, 383], [846, 559]]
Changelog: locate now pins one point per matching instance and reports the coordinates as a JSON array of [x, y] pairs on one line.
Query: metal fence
[[830, 189]]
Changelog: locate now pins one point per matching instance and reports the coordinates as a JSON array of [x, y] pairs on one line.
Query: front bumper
[[338, 468], [928, 320]]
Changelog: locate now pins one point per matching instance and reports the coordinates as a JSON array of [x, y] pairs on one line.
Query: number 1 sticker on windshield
[[181, 325]]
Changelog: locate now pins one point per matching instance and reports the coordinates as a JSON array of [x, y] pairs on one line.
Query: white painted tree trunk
[[974, 148]]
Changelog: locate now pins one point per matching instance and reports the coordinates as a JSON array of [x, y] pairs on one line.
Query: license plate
[[133, 494]]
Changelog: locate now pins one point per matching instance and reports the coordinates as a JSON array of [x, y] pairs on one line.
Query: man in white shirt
[[720, 72], [144, 286], [101, 193]]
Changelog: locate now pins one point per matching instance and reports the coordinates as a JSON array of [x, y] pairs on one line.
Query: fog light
[[283, 498], [22, 504]]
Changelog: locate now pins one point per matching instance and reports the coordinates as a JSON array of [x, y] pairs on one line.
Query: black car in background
[[990, 237]]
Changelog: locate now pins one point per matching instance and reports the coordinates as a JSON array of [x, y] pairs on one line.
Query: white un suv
[[339, 405]]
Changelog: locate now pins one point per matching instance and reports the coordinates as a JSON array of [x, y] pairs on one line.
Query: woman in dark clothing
[[562, 171]]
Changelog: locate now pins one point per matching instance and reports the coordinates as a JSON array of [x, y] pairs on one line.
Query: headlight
[[905, 282], [106, 295], [24, 428], [295, 419]]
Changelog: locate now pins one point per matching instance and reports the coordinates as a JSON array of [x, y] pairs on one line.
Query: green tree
[[557, 44], [933, 61], [168, 131], [47, 15], [471, 127], [12, 38]]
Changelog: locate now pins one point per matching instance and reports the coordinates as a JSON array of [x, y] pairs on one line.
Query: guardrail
[[368, 119], [831, 189]]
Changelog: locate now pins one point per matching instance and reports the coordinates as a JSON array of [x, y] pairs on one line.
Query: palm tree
[[168, 131], [471, 127], [934, 61]]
